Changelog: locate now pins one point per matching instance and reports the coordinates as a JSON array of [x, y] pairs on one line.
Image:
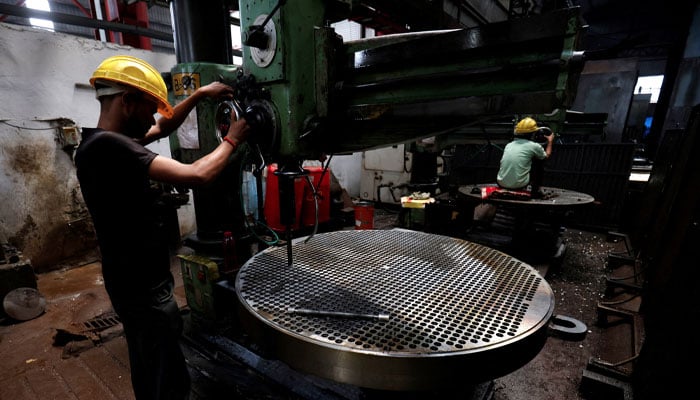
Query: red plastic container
[[272, 200], [308, 209], [304, 200], [364, 215]]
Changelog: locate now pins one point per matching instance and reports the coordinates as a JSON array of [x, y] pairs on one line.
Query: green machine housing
[[315, 94], [307, 93]]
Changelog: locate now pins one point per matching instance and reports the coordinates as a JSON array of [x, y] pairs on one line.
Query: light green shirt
[[516, 162]]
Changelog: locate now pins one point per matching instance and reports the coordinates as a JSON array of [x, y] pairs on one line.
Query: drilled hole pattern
[[441, 294]]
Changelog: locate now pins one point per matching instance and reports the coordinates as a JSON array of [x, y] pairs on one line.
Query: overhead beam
[[68, 19]]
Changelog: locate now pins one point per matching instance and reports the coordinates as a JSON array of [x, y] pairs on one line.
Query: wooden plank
[[110, 371], [47, 384], [16, 388], [118, 350], [84, 384]]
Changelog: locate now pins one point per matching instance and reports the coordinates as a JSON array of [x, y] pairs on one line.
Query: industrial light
[[42, 5], [649, 84]]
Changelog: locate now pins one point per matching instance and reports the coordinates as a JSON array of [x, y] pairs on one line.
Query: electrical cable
[[325, 168], [391, 192], [251, 227], [315, 193], [51, 128]]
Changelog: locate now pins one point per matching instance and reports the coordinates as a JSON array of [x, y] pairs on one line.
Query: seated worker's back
[[522, 158]]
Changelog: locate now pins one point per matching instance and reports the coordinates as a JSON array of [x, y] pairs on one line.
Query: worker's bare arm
[[165, 126], [205, 169], [550, 141]]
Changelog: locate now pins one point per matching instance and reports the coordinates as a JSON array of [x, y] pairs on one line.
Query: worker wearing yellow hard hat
[[115, 169], [118, 73], [522, 161], [525, 126]]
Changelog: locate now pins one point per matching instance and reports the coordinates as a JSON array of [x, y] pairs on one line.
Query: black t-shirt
[[113, 173]]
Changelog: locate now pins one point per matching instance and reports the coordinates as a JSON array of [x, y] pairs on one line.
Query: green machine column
[[288, 58], [217, 205], [191, 144]]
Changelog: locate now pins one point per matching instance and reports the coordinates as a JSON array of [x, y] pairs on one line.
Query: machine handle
[[223, 117]]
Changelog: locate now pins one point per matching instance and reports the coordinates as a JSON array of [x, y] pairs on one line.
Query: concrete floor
[[33, 368], [41, 362]]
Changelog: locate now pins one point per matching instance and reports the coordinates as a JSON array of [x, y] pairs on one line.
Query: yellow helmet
[[525, 126], [134, 72]]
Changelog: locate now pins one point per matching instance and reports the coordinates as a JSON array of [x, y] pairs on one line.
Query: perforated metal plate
[[396, 309]]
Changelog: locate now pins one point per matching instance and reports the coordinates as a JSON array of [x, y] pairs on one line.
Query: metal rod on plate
[[337, 314]]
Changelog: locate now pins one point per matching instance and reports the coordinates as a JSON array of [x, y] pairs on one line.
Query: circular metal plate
[[395, 309], [553, 196]]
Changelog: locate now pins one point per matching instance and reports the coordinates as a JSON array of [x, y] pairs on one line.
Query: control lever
[[254, 115], [256, 36]]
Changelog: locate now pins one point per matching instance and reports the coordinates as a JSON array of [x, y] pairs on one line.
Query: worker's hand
[[238, 131], [547, 133], [217, 90]]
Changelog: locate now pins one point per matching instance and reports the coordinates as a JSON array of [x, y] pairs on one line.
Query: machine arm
[[395, 88]]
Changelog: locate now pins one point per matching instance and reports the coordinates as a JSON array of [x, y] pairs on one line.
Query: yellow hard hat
[[526, 125], [138, 74]]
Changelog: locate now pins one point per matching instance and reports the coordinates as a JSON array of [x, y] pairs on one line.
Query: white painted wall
[[348, 169], [43, 82], [45, 74]]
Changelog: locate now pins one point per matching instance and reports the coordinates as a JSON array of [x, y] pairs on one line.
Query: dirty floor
[[75, 350]]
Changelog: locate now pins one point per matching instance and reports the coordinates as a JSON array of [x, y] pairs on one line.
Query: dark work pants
[[536, 174], [152, 329]]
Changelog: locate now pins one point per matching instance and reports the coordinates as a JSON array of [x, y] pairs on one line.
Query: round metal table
[[395, 309], [535, 224], [553, 196]]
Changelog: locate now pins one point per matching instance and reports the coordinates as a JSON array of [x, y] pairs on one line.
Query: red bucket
[[364, 215]]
